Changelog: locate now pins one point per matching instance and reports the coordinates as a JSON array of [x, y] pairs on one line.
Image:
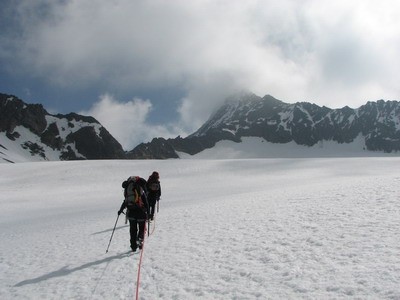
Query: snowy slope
[[13, 151], [300, 228], [250, 147], [254, 147]]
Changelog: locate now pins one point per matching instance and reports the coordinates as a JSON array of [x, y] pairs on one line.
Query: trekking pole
[[158, 205], [148, 225], [112, 234]]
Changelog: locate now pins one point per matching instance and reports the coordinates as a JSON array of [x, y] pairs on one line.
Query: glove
[[119, 212]]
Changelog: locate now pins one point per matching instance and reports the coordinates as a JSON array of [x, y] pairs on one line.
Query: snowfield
[[289, 228]]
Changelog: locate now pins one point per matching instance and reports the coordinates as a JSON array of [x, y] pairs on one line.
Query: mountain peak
[[247, 115]]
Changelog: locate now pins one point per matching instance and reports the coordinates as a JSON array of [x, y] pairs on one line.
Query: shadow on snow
[[109, 230], [64, 271]]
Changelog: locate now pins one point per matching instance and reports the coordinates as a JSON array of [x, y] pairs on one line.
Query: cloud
[[332, 53], [126, 121]]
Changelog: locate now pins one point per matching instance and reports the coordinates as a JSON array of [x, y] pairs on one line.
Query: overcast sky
[[159, 68]]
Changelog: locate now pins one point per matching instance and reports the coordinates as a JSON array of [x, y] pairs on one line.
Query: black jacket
[[153, 194]]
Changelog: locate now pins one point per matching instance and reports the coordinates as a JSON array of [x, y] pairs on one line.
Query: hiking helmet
[[155, 174]]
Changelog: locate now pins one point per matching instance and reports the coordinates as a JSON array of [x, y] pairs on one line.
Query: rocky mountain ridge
[[28, 130], [248, 115]]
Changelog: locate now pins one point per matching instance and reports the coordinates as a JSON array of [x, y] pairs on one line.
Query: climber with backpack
[[137, 213], [154, 192]]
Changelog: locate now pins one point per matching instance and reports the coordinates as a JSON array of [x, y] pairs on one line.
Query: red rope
[[140, 263], [141, 256]]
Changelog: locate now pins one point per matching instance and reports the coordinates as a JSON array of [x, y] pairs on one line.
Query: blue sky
[[159, 68]]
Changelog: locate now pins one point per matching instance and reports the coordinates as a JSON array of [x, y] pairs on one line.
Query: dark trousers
[[152, 208], [136, 229]]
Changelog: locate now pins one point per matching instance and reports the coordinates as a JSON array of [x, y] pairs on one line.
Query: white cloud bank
[[332, 53], [126, 121]]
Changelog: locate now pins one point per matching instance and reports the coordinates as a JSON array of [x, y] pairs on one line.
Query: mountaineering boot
[[140, 243], [133, 246]]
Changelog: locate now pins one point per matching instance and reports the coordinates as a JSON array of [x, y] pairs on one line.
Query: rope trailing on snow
[[141, 254], [140, 263]]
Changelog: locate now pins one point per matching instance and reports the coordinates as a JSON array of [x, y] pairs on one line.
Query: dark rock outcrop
[[72, 136]]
